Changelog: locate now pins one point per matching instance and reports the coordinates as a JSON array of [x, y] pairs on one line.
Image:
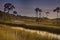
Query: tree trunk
[[8, 11], [47, 15], [36, 14], [57, 17], [40, 15]]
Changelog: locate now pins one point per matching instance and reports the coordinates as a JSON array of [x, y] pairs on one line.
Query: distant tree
[[15, 12], [8, 7], [47, 14], [40, 12], [1, 15], [37, 10], [57, 9]]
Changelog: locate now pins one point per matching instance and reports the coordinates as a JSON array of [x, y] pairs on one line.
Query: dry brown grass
[[6, 33]]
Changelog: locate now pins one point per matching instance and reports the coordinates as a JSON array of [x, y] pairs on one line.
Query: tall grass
[[6, 33], [43, 28]]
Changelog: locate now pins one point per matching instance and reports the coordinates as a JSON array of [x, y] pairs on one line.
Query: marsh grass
[[6, 33]]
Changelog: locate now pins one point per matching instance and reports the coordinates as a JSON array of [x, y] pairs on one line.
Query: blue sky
[[26, 7]]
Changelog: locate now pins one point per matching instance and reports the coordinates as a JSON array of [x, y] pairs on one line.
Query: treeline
[[8, 16]]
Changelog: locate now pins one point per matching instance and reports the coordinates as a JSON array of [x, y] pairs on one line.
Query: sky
[[26, 7]]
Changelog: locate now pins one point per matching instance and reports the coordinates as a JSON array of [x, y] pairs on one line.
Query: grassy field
[[9, 20], [42, 27], [6, 33]]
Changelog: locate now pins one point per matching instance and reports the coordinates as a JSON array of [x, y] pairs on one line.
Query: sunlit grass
[[6, 33]]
